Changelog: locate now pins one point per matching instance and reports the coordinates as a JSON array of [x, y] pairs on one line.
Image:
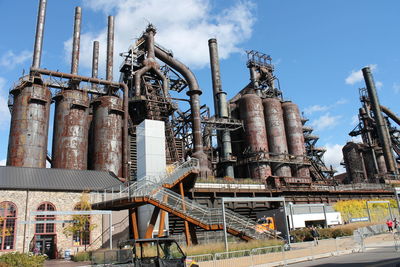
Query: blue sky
[[318, 48]]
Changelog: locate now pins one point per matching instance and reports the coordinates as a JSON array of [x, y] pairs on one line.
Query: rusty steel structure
[[373, 159], [256, 134], [259, 134]]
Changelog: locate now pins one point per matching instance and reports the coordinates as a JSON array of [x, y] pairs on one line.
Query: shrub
[[81, 256], [16, 259]]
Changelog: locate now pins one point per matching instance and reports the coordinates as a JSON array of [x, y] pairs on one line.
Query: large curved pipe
[[390, 114], [150, 64], [139, 74], [194, 93]]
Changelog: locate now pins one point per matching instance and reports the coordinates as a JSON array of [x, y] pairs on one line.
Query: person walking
[[314, 234], [389, 224], [396, 224]]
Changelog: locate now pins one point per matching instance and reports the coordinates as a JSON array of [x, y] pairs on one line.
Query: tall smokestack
[[110, 48], [95, 59], [76, 41], [220, 106], [37, 51], [383, 132]]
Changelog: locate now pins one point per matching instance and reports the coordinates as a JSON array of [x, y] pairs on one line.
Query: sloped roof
[[55, 179]]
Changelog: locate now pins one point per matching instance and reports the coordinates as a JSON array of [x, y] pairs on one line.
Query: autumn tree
[[80, 227]]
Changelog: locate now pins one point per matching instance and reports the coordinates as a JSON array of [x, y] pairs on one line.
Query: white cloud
[[10, 59], [357, 76], [379, 84], [3, 162], [396, 88], [326, 121], [182, 26], [315, 108], [333, 156], [318, 108], [4, 111]]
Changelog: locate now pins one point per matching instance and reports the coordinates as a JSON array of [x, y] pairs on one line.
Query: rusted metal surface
[[76, 40], [354, 163], [95, 60], [294, 136], [276, 135], [252, 114], [380, 159], [35, 71], [27, 145], [110, 49], [221, 108], [71, 129], [150, 63], [381, 126], [125, 141], [37, 51], [108, 134]]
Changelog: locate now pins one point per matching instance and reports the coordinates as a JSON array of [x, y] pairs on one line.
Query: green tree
[[81, 225]]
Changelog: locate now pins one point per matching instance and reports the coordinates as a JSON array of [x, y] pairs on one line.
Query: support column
[[153, 219], [187, 234], [133, 226]]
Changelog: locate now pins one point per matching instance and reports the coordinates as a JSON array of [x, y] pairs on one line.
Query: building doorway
[[45, 233]]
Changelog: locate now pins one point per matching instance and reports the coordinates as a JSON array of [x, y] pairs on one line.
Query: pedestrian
[[389, 224], [314, 234], [396, 224]]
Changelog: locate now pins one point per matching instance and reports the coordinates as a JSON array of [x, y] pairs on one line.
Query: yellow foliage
[[357, 208]]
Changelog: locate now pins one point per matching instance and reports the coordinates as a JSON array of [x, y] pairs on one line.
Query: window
[[45, 228], [8, 218], [81, 237]]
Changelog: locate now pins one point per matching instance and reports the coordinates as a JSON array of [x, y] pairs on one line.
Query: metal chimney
[[383, 132], [76, 40], [110, 48], [221, 107], [37, 51]]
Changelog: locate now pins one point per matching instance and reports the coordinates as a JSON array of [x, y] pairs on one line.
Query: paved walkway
[[63, 263]]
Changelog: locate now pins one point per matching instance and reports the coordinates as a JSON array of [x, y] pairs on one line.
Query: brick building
[[27, 190]]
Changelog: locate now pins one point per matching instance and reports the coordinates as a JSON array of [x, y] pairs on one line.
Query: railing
[[152, 188], [144, 185], [350, 187]]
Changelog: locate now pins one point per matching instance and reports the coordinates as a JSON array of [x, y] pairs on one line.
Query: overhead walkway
[[161, 192]]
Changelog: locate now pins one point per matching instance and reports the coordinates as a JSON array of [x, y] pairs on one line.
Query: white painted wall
[[151, 161], [333, 218]]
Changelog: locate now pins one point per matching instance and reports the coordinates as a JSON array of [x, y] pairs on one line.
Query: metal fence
[[279, 255]]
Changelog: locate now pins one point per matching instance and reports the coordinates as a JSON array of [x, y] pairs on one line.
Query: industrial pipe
[[37, 51], [76, 40], [194, 93], [150, 63], [390, 114], [125, 145], [220, 106], [95, 59], [382, 129], [110, 48], [73, 77]]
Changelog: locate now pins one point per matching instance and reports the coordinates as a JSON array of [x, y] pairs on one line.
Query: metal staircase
[[151, 190]]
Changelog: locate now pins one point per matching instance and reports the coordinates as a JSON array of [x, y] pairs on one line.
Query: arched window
[[81, 237], [8, 218], [45, 228]]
